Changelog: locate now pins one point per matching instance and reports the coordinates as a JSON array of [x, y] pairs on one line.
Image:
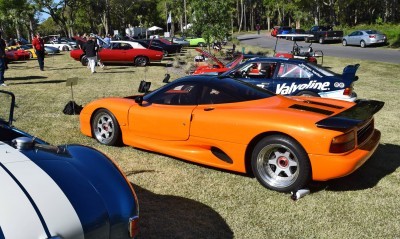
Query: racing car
[[297, 77], [67, 191], [233, 125]]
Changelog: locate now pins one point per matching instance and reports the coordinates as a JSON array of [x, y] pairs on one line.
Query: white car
[[61, 45]]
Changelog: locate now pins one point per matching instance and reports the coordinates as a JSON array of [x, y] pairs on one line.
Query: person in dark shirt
[[2, 59], [90, 49]]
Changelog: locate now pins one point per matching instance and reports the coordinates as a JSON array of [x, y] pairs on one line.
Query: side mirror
[[166, 78], [139, 100]]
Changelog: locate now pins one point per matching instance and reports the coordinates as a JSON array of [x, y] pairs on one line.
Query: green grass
[[183, 200]]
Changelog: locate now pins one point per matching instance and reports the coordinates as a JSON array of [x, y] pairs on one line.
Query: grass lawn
[[184, 200]]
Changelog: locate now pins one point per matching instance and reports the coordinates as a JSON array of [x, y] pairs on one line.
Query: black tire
[[321, 40], [30, 55], [165, 53], [65, 48], [84, 60], [344, 43], [362, 44], [307, 93], [105, 128], [306, 39], [201, 44], [281, 164], [141, 61]]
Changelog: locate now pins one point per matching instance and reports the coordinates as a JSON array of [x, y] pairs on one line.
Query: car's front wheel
[[344, 43], [280, 163], [165, 53], [65, 48], [141, 61], [105, 128]]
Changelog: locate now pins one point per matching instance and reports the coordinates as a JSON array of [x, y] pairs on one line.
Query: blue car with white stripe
[[67, 191], [297, 77]]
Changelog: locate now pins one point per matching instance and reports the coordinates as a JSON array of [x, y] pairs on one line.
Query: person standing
[[2, 59], [38, 45], [91, 48]]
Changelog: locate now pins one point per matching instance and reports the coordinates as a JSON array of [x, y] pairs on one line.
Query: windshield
[[6, 106]]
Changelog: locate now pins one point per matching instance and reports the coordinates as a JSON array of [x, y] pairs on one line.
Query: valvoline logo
[[285, 89]]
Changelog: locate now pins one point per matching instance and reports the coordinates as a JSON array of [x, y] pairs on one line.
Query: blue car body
[[297, 77], [67, 191]]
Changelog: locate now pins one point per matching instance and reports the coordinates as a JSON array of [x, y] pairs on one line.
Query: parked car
[[49, 50], [232, 125], [196, 41], [364, 38], [167, 46], [60, 44], [30, 50], [179, 40], [323, 34], [284, 30], [146, 45], [297, 77], [66, 191], [122, 52], [216, 66], [17, 54]]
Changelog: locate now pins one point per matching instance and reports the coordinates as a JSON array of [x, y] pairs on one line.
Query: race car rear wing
[[355, 116]]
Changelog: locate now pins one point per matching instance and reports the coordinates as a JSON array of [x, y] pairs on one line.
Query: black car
[[146, 44], [167, 46]]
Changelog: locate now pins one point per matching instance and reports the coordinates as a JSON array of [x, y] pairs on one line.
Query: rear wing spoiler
[[363, 110], [349, 72]]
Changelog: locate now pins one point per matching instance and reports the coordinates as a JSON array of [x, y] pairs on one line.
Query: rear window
[[373, 32]]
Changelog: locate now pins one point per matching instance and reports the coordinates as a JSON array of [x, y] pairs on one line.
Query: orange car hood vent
[[311, 109]]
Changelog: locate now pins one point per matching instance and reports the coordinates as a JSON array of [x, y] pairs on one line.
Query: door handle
[[209, 108]]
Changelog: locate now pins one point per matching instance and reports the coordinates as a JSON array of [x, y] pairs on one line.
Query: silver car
[[364, 38]]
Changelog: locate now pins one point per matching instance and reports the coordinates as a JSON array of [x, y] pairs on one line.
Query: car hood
[[211, 56]]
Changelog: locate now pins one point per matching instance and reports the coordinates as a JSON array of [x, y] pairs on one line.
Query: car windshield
[[5, 106], [207, 91]]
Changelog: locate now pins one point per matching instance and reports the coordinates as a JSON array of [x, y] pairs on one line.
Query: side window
[[213, 95], [287, 70], [181, 94], [262, 70]]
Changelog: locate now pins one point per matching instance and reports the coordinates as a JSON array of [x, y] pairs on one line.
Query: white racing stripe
[[18, 219]]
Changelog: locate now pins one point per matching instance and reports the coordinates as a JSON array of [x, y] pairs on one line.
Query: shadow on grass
[[165, 216], [39, 82], [27, 78], [247, 38], [384, 162]]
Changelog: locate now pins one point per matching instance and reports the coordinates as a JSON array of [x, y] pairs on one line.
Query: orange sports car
[[233, 125]]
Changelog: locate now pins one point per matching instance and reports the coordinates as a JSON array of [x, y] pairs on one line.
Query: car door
[[166, 115]]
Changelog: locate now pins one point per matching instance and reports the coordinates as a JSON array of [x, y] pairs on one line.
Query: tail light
[[348, 91], [372, 36], [343, 143], [133, 226]]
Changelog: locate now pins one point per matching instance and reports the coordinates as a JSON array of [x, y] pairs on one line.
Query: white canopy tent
[[154, 28]]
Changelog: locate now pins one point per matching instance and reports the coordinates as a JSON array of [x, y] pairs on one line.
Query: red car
[[17, 54], [217, 67], [122, 52]]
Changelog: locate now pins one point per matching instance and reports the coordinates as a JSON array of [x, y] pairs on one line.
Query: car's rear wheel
[[141, 61], [84, 61], [280, 163], [344, 43], [321, 40], [362, 44], [30, 55], [306, 40], [165, 53], [105, 128], [65, 48], [307, 93], [201, 44]]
